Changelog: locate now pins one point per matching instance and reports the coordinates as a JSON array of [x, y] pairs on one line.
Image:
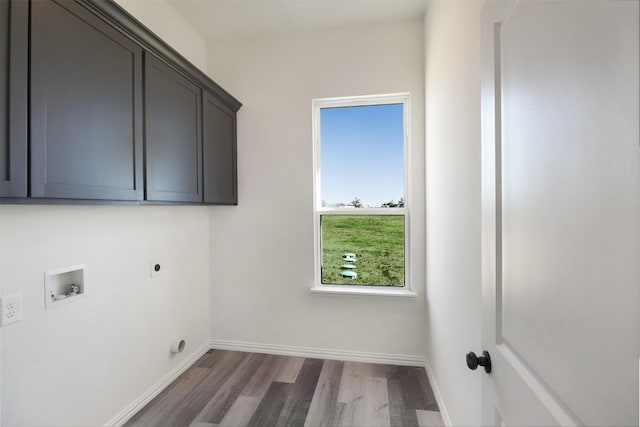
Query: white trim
[[342, 101], [128, 412], [350, 101], [380, 291], [362, 211], [437, 394], [319, 353]]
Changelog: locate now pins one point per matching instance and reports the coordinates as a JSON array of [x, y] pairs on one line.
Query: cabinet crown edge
[[122, 20]]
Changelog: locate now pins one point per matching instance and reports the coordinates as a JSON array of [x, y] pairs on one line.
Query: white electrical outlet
[[10, 309]]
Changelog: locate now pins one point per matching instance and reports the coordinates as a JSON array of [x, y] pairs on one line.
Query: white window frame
[[319, 210]]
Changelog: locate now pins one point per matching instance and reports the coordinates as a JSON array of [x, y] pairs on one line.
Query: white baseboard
[[438, 395], [319, 353], [157, 388]]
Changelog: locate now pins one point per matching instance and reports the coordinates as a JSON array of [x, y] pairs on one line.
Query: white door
[[561, 212]]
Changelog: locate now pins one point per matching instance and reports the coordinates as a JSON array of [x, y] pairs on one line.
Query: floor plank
[[201, 424], [325, 410], [400, 414], [274, 368], [429, 418], [354, 375], [228, 388], [414, 386], [227, 394], [180, 409], [211, 358], [288, 369], [368, 404], [269, 409], [241, 412], [298, 402], [375, 406], [260, 382], [164, 403], [425, 386]]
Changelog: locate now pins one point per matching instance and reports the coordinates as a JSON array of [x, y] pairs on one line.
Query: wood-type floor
[[229, 388]]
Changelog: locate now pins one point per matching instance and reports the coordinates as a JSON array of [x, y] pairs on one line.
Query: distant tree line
[[357, 203], [393, 204]]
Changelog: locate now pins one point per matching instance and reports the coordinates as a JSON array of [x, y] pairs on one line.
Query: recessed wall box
[[64, 285]]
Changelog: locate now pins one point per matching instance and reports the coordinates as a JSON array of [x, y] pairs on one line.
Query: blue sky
[[361, 154]]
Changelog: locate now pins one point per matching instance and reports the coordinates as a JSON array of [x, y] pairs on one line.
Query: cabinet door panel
[[219, 146], [173, 138], [13, 97], [86, 106]]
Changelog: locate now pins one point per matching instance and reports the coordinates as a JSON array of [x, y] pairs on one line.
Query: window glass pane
[[362, 156], [363, 249]]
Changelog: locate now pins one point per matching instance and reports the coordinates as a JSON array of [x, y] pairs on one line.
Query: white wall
[[453, 327], [83, 363], [163, 19], [262, 251]]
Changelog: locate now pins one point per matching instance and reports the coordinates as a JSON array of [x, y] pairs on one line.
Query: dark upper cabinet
[[219, 147], [86, 106], [173, 134], [14, 36], [95, 108]]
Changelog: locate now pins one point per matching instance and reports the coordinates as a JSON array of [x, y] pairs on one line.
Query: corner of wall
[[167, 23], [452, 95]]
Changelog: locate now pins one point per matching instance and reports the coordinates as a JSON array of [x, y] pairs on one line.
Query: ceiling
[[219, 20]]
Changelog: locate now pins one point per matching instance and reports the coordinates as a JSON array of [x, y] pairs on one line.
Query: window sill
[[363, 290]]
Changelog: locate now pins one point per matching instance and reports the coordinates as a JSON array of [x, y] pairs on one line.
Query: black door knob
[[473, 361]]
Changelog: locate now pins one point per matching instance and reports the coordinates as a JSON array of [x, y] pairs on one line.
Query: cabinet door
[[219, 146], [14, 21], [173, 135], [86, 106]]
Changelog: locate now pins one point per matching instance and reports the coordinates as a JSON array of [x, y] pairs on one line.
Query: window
[[361, 214]]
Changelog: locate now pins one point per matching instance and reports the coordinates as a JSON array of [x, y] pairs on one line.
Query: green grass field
[[377, 241]]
